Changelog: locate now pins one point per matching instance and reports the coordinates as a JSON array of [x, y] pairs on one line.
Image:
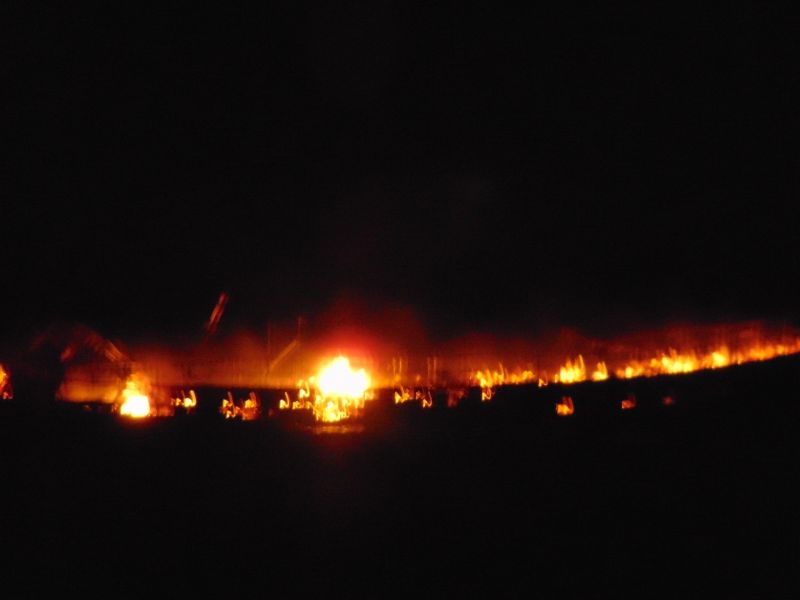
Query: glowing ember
[[628, 403], [5, 388], [135, 402], [566, 407]]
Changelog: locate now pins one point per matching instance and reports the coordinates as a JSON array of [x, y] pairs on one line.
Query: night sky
[[488, 169]]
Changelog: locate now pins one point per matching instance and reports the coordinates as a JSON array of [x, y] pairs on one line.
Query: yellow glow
[[338, 379], [135, 403], [572, 372], [601, 373], [339, 392]]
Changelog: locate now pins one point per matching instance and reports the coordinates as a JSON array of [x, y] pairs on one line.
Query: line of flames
[[671, 362], [339, 392]]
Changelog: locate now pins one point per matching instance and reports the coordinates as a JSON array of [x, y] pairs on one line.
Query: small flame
[[601, 373], [244, 409], [423, 396], [185, 402], [566, 407], [488, 379], [628, 403], [5, 391]]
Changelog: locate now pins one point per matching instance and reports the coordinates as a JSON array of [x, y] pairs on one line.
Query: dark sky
[[488, 168]]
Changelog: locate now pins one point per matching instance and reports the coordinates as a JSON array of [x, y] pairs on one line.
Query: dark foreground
[[699, 500]]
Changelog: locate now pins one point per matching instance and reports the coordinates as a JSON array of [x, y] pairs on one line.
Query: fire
[[243, 409], [575, 371], [566, 407], [423, 396], [572, 372], [338, 379], [185, 403], [628, 403], [488, 379], [338, 392], [601, 373], [673, 362], [341, 391], [669, 362], [135, 402], [5, 391]]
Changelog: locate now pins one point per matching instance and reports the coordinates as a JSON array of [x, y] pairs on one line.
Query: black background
[[595, 168]]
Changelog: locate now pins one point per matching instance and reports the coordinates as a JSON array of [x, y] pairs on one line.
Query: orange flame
[[340, 392], [572, 372], [5, 391], [628, 403], [245, 409], [185, 402], [673, 361], [566, 407], [670, 362], [135, 401], [488, 379]]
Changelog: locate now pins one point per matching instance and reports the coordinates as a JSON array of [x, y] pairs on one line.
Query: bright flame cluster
[[135, 402], [340, 380], [339, 392], [575, 372]]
